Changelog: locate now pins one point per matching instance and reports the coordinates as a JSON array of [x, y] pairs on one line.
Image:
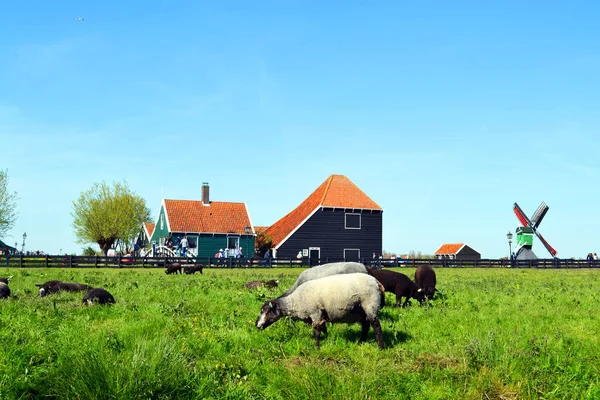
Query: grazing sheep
[[324, 270], [425, 279], [98, 295], [399, 284], [51, 287], [272, 283], [253, 284], [341, 298], [256, 284], [4, 289], [192, 269], [173, 268]]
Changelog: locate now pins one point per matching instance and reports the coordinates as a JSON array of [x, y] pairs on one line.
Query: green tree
[[8, 205], [105, 214], [262, 243]]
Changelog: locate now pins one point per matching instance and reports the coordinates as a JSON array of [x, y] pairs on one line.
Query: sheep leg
[[378, 332], [317, 332], [365, 331]]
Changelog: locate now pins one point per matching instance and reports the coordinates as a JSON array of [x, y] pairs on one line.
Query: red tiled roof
[[449, 248], [337, 191], [259, 229], [149, 229], [217, 217]]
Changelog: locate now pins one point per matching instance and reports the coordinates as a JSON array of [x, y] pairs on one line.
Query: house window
[[233, 242], [352, 221], [352, 255]]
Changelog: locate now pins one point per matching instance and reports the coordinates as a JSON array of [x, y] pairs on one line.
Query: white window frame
[[352, 250], [238, 242], [359, 220], [315, 248]]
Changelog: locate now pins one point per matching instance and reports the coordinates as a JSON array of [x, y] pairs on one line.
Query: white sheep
[[339, 298], [324, 270]]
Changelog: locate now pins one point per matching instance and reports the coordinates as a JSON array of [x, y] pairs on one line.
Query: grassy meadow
[[493, 334]]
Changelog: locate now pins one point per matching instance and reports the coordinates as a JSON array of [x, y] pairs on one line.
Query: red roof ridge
[[329, 180]]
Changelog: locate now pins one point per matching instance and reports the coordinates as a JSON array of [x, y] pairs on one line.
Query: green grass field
[[495, 333]]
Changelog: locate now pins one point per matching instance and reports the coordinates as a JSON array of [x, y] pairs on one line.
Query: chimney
[[205, 194]]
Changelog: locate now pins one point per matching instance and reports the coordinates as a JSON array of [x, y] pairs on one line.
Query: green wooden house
[[210, 226]]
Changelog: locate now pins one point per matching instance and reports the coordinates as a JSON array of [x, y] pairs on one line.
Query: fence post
[[70, 261], [46, 260], [20, 260]]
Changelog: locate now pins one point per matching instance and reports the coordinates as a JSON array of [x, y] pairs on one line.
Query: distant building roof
[[149, 227], [215, 217], [450, 248], [453, 248], [337, 191]]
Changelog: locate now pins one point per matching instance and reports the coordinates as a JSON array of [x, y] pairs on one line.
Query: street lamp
[[247, 230], [16, 248], [509, 236], [24, 237]]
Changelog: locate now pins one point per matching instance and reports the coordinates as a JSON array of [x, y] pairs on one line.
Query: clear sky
[[444, 113]]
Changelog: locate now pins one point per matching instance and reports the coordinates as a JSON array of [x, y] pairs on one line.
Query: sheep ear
[[420, 290], [270, 305], [9, 278]]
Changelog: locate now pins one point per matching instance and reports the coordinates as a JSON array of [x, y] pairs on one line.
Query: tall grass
[[493, 333]]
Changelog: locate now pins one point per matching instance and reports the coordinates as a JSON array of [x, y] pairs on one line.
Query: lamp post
[[24, 237], [509, 236], [247, 230], [16, 248]]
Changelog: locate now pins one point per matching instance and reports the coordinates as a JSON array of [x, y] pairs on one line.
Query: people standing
[[184, 245]]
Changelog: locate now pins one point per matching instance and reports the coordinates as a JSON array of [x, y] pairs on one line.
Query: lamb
[[399, 284], [339, 298], [4, 289], [51, 287], [256, 284], [98, 295], [324, 270], [425, 280], [192, 269]]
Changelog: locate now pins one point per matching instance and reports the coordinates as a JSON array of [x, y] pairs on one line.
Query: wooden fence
[[23, 261]]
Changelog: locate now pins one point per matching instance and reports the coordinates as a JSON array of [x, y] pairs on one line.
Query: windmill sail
[[539, 214], [546, 244], [521, 215]]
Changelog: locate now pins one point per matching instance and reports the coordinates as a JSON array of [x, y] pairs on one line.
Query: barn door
[[314, 255]]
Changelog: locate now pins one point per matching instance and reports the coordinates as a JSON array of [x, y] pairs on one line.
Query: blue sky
[[445, 113]]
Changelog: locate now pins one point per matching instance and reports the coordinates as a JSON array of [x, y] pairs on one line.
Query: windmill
[[525, 233]]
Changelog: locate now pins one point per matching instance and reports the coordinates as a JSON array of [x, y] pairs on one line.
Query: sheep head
[[269, 313]]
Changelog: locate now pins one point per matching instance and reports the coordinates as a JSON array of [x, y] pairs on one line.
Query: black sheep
[[56, 286], [425, 279], [193, 269], [397, 283], [98, 295], [4, 289], [48, 287], [271, 283], [173, 268]]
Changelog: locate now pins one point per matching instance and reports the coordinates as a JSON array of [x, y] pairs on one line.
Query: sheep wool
[[324, 270], [337, 298]]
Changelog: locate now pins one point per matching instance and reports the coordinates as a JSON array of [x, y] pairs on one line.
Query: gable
[[336, 192]]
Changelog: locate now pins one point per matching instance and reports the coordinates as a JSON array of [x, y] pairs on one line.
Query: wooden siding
[[161, 229], [209, 244], [467, 253], [326, 229]]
